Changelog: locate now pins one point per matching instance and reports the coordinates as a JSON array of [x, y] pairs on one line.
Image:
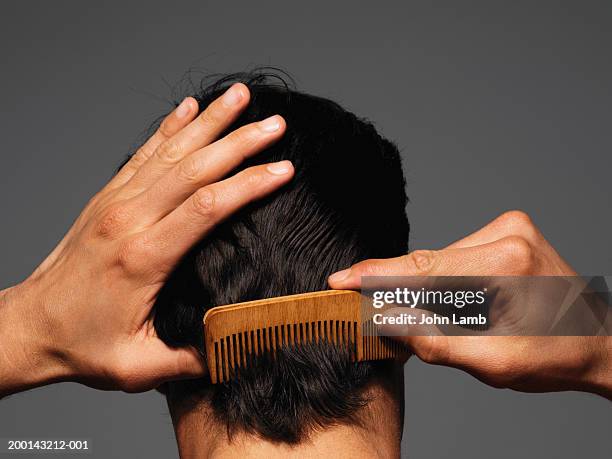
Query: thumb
[[485, 260], [161, 363], [419, 262]]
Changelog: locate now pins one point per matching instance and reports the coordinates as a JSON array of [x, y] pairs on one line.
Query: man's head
[[345, 203]]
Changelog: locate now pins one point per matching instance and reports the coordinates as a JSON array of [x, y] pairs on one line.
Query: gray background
[[495, 105]]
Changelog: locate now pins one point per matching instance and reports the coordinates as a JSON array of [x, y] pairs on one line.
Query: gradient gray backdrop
[[495, 105]]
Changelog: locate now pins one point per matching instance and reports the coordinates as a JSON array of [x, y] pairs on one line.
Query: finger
[[483, 356], [167, 363], [491, 359], [436, 344], [423, 337], [423, 323], [173, 123], [426, 341], [207, 166], [433, 348], [176, 233], [505, 257], [203, 130], [419, 262], [152, 362], [511, 223], [402, 331]]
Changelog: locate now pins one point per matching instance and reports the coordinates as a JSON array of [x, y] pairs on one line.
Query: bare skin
[[200, 438], [84, 313], [510, 245], [378, 435]]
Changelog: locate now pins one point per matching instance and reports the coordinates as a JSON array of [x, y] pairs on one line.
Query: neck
[[199, 436]]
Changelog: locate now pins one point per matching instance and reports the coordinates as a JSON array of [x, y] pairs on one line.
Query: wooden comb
[[236, 334]]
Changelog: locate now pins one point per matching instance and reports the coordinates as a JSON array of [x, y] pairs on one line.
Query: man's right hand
[[511, 245]]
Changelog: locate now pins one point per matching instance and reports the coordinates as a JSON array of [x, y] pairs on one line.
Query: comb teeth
[[377, 347], [240, 350], [236, 335]]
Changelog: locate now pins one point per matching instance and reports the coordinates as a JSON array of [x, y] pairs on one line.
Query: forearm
[[26, 359]]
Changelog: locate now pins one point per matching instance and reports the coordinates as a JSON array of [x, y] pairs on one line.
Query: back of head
[[345, 203]]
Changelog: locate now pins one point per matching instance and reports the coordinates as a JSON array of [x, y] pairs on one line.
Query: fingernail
[[280, 168], [340, 275], [270, 124], [232, 96], [183, 109]]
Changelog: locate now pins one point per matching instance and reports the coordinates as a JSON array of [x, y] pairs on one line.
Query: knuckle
[[134, 255], [520, 223], [138, 159], [203, 202], [165, 128], [365, 269], [516, 217], [518, 253], [431, 351], [113, 221], [213, 114], [189, 170], [253, 178], [169, 151], [420, 261], [246, 135]]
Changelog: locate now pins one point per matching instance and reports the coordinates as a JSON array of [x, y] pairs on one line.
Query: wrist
[[28, 358]]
